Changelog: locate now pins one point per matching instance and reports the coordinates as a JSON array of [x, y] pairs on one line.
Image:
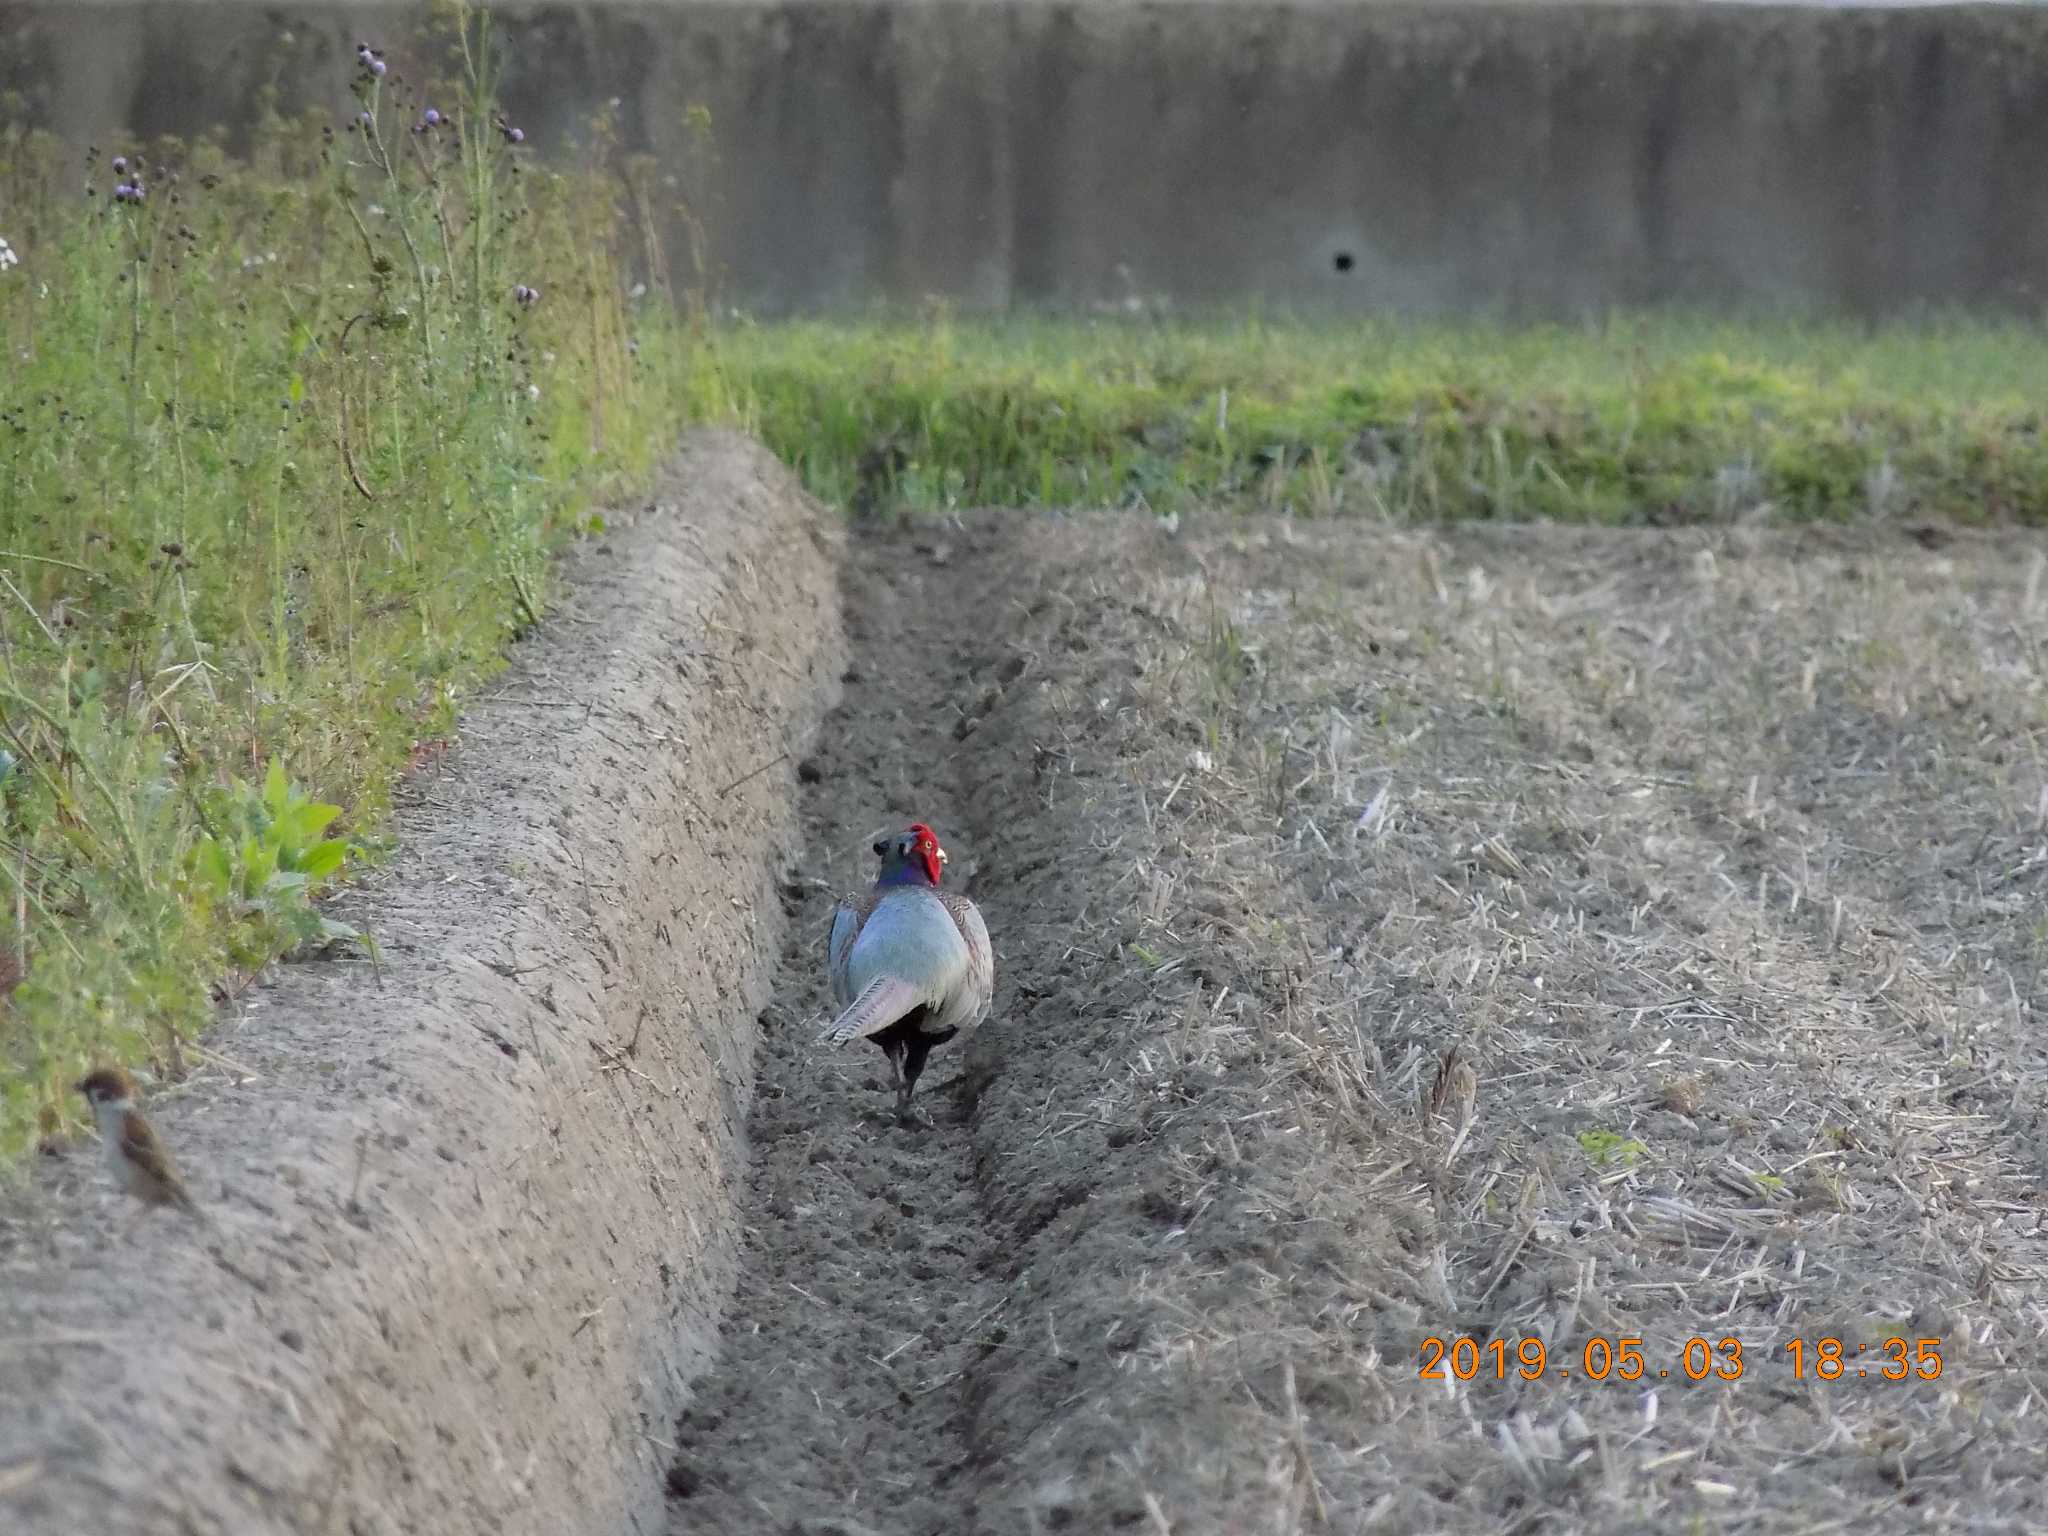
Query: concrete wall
[[1414, 156]]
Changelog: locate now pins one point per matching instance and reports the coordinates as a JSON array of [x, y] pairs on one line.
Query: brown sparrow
[[1456, 1087], [141, 1165]]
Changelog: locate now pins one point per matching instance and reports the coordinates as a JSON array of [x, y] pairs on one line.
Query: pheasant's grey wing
[[970, 1004], [845, 929]]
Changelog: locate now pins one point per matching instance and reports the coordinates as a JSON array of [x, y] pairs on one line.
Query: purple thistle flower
[[431, 118], [363, 120], [124, 193], [515, 135], [526, 296], [120, 165], [376, 66]]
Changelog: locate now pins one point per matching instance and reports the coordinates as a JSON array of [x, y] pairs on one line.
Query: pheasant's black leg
[[893, 1049], [915, 1050]]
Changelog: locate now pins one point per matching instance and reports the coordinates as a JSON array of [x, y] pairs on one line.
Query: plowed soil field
[[1716, 857]]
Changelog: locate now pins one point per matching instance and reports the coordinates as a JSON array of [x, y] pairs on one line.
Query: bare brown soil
[[1718, 855], [472, 1220]]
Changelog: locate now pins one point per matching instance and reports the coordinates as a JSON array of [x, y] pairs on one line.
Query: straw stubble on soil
[[1717, 854]]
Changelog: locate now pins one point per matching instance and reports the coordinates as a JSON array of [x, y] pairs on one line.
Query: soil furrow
[[838, 1402]]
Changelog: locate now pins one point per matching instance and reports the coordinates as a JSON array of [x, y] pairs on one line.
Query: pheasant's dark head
[[910, 857]]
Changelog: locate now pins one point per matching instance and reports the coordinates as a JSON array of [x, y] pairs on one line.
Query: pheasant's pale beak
[[942, 857]]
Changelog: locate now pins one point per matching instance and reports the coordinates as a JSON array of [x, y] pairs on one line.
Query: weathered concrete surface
[[472, 1223], [1414, 156]]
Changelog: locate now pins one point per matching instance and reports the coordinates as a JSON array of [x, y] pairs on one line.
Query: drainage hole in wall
[[1341, 261]]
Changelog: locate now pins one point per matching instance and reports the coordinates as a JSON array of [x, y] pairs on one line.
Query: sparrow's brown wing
[[1443, 1087], [140, 1145]]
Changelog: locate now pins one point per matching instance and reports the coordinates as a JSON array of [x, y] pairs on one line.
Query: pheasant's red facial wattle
[[910, 857], [924, 847]]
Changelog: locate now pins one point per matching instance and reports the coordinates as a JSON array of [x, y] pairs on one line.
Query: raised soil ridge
[[472, 1220]]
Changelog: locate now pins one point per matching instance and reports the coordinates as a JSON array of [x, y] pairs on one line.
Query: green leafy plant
[[265, 862]]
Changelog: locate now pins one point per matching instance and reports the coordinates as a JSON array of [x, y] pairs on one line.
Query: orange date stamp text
[[1701, 1358]]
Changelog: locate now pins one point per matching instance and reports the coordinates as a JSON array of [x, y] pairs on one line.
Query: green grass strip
[[1635, 418], [285, 448]]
